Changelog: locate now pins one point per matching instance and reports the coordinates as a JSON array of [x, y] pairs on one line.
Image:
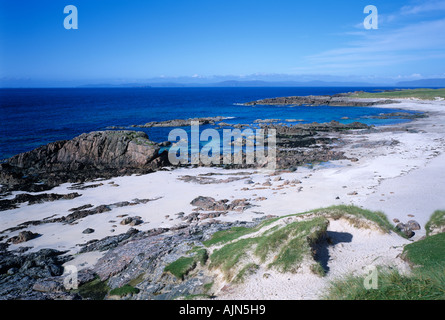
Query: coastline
[[396, 169]]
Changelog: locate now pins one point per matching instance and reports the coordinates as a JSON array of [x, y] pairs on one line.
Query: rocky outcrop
[[210, 204], [180, 122], [88, 156], [8, 204], [23, 236], [98, 150], [399, 115], [32, 276], [408, 228], [82, 212], [334, 100]]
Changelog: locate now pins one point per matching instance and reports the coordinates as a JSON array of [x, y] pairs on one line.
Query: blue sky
[[131, 41]]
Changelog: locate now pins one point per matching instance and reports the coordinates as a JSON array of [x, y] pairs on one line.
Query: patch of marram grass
[[124, 290], [425, 94], [392, 285], [94, 290], [247, 270], [284, 248], [358, 217], [182, 266], [426, 281], [436, 221], [137, 280], [291, 243], [224, 236], [282, 243], [286, 244], [427, 253], [230, 255]]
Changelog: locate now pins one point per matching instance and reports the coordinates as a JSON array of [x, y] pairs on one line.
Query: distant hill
[[244, 83], [425, 83], [315, 83]]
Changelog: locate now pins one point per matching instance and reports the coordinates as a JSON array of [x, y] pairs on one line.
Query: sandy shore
[[400, 173]]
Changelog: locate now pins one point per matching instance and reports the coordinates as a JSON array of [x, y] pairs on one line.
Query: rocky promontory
[[180, 122], [340, 100], [98, 154]]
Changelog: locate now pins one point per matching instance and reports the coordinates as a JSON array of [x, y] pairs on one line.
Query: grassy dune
[[426, 281], [286, 243], [436, 222], [424, 94], [283, 243]]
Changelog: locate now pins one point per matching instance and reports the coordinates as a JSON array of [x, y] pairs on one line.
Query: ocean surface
[[30, 118]]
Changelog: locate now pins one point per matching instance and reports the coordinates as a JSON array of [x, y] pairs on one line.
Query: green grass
[[437, 220], [94, 290], [181, 267], [224, 236], [363, 215], [285, 247], [124, 290], [208, 286], [427, 281], [134, 282], [201, 255], [427, 253], [426, 285], [291, 243], [425, 94], [247, 270], [230, 255]]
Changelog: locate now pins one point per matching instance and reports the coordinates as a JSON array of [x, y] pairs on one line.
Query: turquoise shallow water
[[33, 117]]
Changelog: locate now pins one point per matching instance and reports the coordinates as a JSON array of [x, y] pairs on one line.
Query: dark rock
[[8, 204], [54, 269], [23, 237], [47, 286], [86, 206], [333, 100], [12, 271], [405, 230], [108, 243], [32, 276], [81, 186], [181, 122], [88, 230], [413, 225], [399, 115], [126, 220], [210, 204], [135, 222], [100, 154]]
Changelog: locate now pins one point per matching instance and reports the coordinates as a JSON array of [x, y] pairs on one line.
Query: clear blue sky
[[142, 39]]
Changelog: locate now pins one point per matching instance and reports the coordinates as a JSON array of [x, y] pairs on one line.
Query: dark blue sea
[[30, 118]]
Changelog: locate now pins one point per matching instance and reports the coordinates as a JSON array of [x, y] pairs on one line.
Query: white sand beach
[[404, 179]]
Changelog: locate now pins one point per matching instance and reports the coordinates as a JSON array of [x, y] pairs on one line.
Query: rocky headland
[[341, 100], [99, 154]]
